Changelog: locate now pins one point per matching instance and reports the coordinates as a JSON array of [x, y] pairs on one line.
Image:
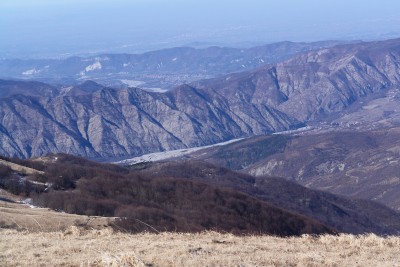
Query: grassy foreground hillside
[[75, 247], [42, 237]]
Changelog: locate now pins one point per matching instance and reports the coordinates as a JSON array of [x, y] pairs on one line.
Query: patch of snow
[[341, 166], [369, 107], [30, 72], [94, 66], [174, 59], [299, 130], [157, 156], [28, 201], [155, 90], [126, 65]]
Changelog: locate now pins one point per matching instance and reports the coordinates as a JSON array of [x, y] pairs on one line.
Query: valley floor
[[75, 247]]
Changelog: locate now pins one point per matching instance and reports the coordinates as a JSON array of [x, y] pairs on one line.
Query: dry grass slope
[[22, 217], [75, 247], [42, 237], [19, 168]]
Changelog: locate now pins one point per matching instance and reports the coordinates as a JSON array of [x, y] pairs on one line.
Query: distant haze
[[48, 28]]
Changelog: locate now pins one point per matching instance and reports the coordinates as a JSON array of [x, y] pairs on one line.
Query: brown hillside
[[145, 202]]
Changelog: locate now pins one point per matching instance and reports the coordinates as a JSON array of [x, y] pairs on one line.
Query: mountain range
[[325, 119], [91, 120], [162, 69]]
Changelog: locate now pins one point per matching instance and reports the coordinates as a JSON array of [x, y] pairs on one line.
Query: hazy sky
[[33, 28]]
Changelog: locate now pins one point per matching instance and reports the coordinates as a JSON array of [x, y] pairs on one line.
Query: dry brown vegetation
[[79, 186], [75, 247], [22, 217], [19, 168], [41, 237]]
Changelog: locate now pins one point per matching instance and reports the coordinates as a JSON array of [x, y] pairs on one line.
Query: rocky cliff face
[[116, 123]]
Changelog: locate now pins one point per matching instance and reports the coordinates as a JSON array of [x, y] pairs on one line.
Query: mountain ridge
[[164, 68], [101, 122]]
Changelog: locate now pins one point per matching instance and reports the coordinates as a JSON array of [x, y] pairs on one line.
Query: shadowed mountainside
[[344, 214], [356, 164]]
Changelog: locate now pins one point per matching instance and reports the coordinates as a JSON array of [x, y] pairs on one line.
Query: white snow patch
[[299, 130], [155, 90], [30, 72], [126, 65], [170, 154], [94, 66], [28, 201], [174, 59]]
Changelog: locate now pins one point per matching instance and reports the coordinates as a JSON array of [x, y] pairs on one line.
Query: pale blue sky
[[32, 28]]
